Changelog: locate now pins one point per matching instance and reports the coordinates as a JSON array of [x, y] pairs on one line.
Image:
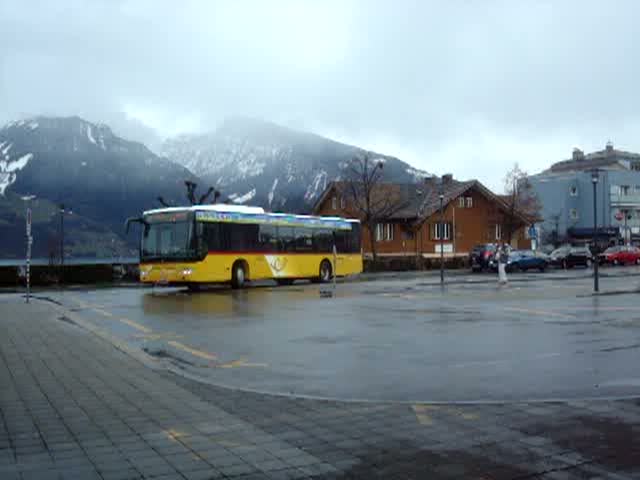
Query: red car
[[621, 255]]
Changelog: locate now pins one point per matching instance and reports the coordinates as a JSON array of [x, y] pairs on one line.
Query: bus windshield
[[168, 238]]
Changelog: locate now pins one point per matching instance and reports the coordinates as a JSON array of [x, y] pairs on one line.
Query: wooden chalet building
[[472, 215]]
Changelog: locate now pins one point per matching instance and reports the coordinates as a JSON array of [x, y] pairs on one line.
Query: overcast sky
[[466, 87]]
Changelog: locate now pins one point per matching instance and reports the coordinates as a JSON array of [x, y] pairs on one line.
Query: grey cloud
[[434, 78]]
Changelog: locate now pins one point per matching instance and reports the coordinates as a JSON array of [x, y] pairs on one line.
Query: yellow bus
[[235, 244]]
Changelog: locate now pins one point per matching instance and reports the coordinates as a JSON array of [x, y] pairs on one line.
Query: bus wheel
[[325, 271], [239, 275]]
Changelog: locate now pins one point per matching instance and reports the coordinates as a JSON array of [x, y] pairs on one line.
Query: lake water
[[9, 262]]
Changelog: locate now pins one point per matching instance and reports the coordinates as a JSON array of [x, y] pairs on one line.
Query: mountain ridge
[[103, 178], [278, 167]]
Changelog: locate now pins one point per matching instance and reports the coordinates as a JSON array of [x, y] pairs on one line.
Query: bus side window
[[342, 241], [268, 238], [355, 238], [322, 241], [287, 238], [304, 242], [211, 240], [243, 237]]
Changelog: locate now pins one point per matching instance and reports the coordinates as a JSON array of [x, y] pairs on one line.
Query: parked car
[[620, 255], [569, 257], [481, 256], [524, 260]]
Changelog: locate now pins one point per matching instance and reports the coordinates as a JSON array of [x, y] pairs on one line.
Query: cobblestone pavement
[[74, 405]]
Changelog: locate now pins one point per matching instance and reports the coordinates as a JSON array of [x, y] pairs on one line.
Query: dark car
[[481, 256], [569, 257], [524, 260]]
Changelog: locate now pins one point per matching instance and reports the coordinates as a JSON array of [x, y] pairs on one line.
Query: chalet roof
[[418, 201]]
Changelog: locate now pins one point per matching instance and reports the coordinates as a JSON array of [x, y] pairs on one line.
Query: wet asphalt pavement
[[544, 336]]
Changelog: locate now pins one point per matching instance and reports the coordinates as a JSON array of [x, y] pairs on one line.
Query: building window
[[625, 190], [343, 202], [384, 232], [389, 232], [635, 166], [442, 231], [461, 202], [469, 202], [573, 213], [498, 232], [334, 203], [573, 191]]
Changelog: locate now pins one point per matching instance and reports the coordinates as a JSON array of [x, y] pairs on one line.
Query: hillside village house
[[472, 215]]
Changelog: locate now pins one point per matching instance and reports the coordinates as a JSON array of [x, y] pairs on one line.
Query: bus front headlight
[[187, 271]]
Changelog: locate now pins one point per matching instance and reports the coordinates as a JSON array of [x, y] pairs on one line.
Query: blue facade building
[[565, 192]]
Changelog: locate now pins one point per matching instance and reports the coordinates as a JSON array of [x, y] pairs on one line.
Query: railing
[[625, 199]]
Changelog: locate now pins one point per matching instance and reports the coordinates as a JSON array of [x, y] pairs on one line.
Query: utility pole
[[594, 181], [441, 234], [61, 242]]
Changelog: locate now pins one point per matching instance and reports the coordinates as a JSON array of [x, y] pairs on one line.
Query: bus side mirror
[[131, 220]]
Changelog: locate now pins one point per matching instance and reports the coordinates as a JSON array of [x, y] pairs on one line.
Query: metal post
[[594, 181], [29, 242], [28, 199], [441, 240], [335, 266], [61, 243]]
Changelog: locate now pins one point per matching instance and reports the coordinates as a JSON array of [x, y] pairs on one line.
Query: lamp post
[[62, 212], [441, 235], [27, 199], [594, 182]]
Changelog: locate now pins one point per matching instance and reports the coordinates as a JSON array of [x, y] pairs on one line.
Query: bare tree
[[371, 202], [163, 203], [191, 195], [522, 201]]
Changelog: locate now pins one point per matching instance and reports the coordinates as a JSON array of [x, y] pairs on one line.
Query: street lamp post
[[62, 212], [441, 236], [594, 181], [28, 199]]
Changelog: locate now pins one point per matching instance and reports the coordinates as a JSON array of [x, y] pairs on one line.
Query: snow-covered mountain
[[102, 177], [260, 163]]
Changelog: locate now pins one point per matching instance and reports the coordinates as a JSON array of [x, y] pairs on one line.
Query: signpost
[[533, 235], [29, 243]]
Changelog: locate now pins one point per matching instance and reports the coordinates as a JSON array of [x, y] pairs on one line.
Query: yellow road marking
[[421, 415], [173, 435], [100, 309], [462, 413], [192, 351], [135, 325], [156, 336], [240, 363]]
